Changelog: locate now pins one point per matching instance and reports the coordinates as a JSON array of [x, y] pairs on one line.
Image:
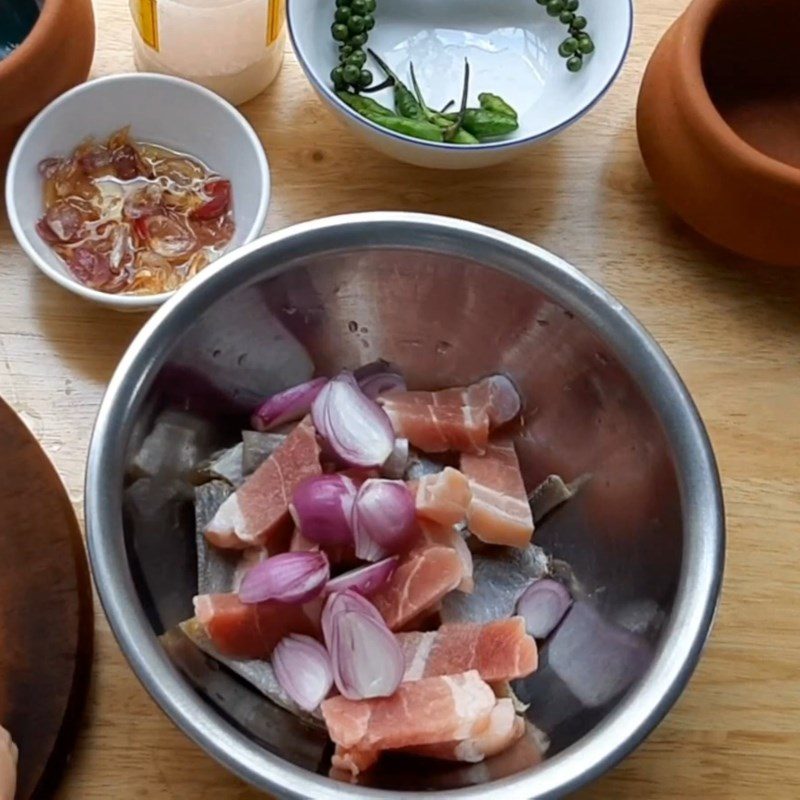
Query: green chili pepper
[[386, 118], [405, 103], [485, 124], [493, 102], [364, 105], [416, 128], [464, 137]]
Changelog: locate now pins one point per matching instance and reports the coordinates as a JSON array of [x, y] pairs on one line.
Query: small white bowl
[[161, 109], [512, 47]]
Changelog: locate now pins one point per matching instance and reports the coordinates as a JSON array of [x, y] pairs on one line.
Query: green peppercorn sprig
[[353, 20], [578, 44], [411, 116]]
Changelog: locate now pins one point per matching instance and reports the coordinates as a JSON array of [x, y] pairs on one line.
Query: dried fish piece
[[259, 674], [501, 575], [551, 493], [257, 447], [225, 465], [177, 442]]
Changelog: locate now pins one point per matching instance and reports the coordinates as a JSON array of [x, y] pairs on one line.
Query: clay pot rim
[[36, 40], [700, 108]]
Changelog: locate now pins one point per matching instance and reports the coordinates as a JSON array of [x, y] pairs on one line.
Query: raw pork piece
[[444, 709], [505, 728], [435, 534], [499, 651], [259, 510], [240, 630], [501, 575], [421, 580], [499, 512], [444, 497], [451, 419]]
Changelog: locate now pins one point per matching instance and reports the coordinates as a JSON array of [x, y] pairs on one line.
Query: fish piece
[[504, 728], [259, 510], [420, 581], [208, 498], [442, 709], [257, 673], [433, 533], [498, 512], [225, 465], [501, 576], [346, 763], [418, 466], [240, 630], [551, 493], [174, 446], [257, 447], [444, 497], [499, 651]]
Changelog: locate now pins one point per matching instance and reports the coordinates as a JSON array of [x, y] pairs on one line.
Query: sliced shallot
[[505, 400], [289, 578], [379, 377], [322, 508], [338, 603], [355, 428], [287, 406], [543, 605], [303, 669], [365, 655], [364, 580], [384, 515]]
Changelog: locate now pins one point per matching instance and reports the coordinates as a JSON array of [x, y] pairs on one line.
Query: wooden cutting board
[[45, 610]]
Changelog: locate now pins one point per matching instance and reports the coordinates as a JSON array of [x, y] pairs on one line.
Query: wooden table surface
[[732, 329]]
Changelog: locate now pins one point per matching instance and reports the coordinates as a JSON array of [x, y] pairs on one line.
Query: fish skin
[[501, 575], [258, 673]]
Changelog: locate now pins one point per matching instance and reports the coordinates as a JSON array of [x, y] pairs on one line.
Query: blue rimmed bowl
[[512, 48]]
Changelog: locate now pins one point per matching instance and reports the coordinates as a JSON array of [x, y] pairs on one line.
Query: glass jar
[[233, 47]]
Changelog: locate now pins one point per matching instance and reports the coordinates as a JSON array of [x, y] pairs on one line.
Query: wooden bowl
[[46, 625], [56, 55], [719, 125]]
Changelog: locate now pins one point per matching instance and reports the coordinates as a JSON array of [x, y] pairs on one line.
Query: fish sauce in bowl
[[134, 217]]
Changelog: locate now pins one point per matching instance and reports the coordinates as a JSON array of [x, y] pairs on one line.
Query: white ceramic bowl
[[512, 47], [160, 109]]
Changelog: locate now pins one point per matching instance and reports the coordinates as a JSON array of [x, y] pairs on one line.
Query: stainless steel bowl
[[450, 302]]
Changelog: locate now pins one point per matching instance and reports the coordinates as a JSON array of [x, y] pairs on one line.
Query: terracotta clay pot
[[55, 56], [719, 125]]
